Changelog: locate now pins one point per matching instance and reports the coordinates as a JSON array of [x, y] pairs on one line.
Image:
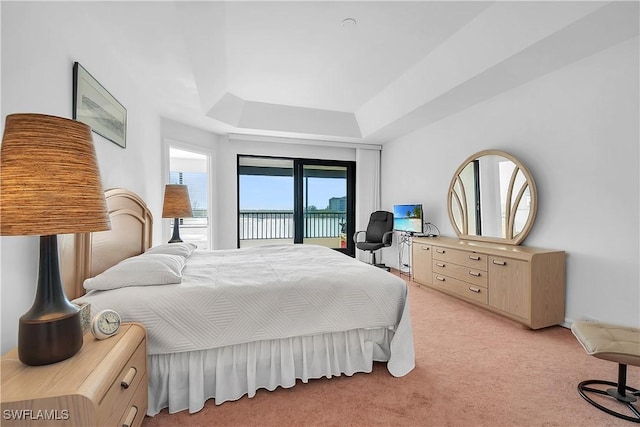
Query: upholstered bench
[[617, 344]]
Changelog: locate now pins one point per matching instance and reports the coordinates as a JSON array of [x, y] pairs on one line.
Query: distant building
[[338, 204]]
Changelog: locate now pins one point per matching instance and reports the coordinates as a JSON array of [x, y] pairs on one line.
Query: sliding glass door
[[265, 201], [324, 205], [296, 201]]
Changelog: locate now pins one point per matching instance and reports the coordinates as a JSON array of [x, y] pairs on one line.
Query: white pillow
[[141, 270], [184, 249]]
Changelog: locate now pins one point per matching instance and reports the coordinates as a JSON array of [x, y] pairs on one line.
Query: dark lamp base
[[176, 232], [51, 330], [42, 342]]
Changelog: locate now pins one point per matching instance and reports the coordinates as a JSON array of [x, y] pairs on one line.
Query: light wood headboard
[[88, 254]]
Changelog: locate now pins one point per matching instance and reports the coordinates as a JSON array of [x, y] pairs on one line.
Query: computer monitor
[[408, 218]]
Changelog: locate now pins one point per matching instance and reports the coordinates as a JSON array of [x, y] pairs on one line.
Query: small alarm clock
[[105, 324]]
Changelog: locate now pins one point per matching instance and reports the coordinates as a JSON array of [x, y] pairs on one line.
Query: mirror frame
[[509, 238]]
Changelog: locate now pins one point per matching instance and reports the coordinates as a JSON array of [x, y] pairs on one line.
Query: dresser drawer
[[463, 289], [460, 272], [468, 259], [118, 397]]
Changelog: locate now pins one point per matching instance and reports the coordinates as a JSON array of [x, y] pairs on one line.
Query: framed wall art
[[95, 106]]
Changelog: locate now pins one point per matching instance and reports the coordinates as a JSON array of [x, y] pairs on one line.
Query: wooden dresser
[[104, 384], [522, 283]]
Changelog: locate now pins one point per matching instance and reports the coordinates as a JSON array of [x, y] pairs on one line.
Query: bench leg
[[619, 393]]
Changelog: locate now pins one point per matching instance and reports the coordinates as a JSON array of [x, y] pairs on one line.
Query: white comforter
[[237, 296]]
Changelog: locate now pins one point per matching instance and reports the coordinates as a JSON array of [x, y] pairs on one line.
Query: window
[[191, 169], [296, 201]]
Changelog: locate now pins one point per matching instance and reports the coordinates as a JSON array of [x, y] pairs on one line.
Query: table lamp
[[176, 205], [49, 184]]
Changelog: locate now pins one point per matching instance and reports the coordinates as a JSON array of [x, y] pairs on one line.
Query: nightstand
[[104, 384]]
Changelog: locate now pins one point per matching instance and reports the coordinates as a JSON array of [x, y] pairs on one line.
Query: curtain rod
[[302, 141]]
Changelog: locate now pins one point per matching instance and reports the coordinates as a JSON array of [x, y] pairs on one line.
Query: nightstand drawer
[[116, 400], [137, 408]]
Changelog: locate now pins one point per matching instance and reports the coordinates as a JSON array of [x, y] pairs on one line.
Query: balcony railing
[[266, 225], [280, 224]]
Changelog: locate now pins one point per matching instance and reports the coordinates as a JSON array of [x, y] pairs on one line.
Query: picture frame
[[93, 105]]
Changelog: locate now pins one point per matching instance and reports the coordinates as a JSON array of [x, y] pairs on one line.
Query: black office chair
[[378, 235]]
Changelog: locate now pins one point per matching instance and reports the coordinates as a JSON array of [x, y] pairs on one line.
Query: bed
[[226, 323]]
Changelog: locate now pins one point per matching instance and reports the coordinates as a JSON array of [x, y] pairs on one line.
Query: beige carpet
[[473, 368]]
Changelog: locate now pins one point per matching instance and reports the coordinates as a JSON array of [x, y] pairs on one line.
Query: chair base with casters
[[378, 235], [379, 265], [617, 344], [365, 247]]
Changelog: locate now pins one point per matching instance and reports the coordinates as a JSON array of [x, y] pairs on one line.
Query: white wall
[[577, 130], [40, 42]]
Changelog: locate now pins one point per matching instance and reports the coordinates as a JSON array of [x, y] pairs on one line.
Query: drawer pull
[[474, 273], [440, 278], [128, 379], [440, 251], [425, 248], [439, 264], [474, 257], [496, 262], [131, 416], [474, 289]]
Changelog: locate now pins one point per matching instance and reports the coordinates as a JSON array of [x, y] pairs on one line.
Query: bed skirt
[[180, 381]]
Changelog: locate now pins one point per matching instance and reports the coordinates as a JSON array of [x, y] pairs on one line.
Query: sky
[[276, 192], [266, 192]]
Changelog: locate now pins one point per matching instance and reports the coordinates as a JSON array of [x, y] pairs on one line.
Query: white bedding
[[234, 297]]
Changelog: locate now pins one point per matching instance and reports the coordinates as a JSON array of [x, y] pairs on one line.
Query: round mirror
[[492, 197]]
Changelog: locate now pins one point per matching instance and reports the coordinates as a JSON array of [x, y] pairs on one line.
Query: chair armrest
[[387, 238], [355, 235]]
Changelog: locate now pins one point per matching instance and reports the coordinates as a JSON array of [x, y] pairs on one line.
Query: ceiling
[[292, 69]]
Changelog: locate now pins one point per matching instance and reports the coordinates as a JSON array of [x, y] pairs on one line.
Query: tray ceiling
[[293, 69]]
